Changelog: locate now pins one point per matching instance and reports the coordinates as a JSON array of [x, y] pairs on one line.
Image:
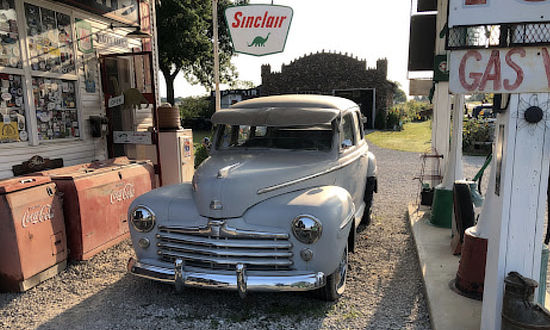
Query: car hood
[[227, 184]]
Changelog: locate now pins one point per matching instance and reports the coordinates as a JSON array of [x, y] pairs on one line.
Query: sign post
[[216, 54]]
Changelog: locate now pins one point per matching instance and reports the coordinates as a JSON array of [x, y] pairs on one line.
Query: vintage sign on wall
[[132, 137], [84, 38], [508, 70], [480, 12], [258, 29]]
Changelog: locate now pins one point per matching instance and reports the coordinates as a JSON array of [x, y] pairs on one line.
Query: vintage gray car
[[274, 208]]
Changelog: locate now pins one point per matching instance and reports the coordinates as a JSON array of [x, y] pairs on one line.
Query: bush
[[201, 153], [414, 111], [474, 131], [380, 120], [193, 107], [394, 120]]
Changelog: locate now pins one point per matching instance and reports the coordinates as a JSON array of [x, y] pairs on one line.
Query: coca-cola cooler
[[96, 198], [32, 232]]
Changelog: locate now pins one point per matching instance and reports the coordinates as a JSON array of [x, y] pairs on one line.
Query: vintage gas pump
[[502, 47], [516, 197]]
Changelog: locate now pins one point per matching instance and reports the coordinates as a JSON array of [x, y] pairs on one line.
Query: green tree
[[399, 95], [195, 107], [184, 29]]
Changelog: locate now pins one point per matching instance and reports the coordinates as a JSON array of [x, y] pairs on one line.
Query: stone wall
[[323, 72]]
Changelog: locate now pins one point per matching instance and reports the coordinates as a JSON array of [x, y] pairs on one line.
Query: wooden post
[[441, 122], [516, 200], [216, 53]]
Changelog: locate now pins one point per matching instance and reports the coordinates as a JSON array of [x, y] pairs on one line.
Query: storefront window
[[10, 54], [49, 40], [12, 111], [55, 103]]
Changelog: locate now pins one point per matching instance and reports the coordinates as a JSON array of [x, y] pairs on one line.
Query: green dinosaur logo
[[259, 41]]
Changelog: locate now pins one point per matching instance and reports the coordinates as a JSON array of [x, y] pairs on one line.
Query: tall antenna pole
[[216, 53]]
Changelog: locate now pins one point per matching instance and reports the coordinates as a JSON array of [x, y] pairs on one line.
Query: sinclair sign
[[258, 29], [480, 12]]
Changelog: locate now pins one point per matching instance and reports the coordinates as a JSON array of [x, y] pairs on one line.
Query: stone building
[[332, 73]]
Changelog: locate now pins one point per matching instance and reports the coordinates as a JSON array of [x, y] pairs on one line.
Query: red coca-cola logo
[[37, 214], [124, 193]]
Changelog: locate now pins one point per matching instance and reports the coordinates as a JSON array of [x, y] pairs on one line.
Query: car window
[[360, 125], [348, 133], [318, 137]]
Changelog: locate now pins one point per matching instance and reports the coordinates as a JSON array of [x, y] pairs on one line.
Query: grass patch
[[415, 137], [198, 136]]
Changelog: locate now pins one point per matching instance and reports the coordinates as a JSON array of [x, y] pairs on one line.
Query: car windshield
[[318, 137]]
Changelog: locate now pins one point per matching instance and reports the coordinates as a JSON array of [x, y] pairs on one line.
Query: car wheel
[[336, 282], [369, 196]]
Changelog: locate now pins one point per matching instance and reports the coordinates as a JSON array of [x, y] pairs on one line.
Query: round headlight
[[307, 229], [143, 219]]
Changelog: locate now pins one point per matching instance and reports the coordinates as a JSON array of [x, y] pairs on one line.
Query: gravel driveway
[[384, 290]]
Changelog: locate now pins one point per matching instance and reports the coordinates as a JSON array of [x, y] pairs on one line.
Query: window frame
[[354, 133]]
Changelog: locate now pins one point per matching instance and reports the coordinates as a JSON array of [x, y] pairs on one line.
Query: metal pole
[[216, 53]]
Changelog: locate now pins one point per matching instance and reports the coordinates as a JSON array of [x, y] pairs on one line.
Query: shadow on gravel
[[139, 303], [397, 308], [7, 298]]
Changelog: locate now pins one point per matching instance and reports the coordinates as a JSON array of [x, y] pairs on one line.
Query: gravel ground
[[384, 290]]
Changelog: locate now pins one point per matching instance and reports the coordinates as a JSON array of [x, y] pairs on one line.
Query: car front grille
[[218, 246]]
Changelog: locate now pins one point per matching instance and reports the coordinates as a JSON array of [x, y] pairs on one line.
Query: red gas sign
[[510, 70]]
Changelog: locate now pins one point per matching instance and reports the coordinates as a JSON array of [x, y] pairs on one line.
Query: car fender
[[331, 205], [372, 169]]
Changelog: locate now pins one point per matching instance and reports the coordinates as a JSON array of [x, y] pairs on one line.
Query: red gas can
[[32, 232], [96, 200]]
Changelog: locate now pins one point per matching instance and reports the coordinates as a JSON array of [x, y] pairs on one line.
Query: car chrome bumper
[[240, 280]]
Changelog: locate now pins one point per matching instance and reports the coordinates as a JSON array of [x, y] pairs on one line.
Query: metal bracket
[[241, 280], [179, 266]]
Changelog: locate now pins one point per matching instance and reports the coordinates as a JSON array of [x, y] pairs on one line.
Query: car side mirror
[[346, 144]]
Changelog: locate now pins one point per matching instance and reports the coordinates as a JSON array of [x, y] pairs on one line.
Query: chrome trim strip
[[225, 253], [224, 171], [226, 261], [228, 281], [215, 229], [223, 243], [151, 272], [350, 217], [305, 178]]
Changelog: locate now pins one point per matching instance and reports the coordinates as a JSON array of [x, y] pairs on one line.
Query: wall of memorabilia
[[10, 54], [12, 111], [55, 103], [49, 39]]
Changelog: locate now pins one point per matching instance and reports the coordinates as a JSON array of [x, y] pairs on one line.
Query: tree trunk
[[169, 88]]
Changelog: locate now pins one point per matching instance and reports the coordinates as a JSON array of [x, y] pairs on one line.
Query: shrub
[[201, 153], [380, 120], [394, 120], [196, 107], [476, 130]]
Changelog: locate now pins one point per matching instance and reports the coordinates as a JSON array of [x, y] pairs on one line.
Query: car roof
[[284, 110]]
